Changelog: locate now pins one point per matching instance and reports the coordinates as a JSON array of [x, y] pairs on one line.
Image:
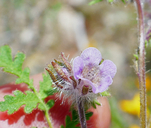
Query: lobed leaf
[[75, 119], [45, 86], [14, 66], [13, 103], [71, 123], [29, 99], [5, 56]]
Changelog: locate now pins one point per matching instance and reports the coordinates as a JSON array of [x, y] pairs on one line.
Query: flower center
[[92, 73]]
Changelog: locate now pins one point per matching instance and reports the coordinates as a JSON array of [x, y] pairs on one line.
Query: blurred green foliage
[[97, 1], [116, 117]]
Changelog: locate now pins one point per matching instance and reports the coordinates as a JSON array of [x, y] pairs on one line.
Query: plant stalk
[[46, 111], [81, 113], [141, 66], [48, 119]]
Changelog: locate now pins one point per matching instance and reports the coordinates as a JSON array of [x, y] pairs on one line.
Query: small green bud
[[97, 103], [105, 93], [136, 56]]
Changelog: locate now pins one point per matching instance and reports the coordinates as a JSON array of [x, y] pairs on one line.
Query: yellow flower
[[134, 126], [148, 83], [132, 106]]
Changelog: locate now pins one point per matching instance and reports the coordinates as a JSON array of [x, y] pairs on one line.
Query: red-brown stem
[[141, 63], [81, 112]]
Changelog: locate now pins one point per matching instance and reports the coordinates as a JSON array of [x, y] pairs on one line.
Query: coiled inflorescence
[[87, 76]]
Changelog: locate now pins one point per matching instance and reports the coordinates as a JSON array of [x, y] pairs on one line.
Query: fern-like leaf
[[31, 98], [45, 86], [13, 103], [15, 66]]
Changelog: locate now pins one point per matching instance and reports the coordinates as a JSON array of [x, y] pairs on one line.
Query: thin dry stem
[[141, 66]]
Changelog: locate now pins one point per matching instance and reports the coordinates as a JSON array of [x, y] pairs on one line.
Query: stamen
[[79, 81], [85, 89], [90, 72]]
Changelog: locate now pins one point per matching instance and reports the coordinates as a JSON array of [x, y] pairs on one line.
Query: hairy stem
[[141, 63], [81, 113]]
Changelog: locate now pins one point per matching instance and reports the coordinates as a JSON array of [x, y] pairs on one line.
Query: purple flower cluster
[[80, 81], [91, 73]]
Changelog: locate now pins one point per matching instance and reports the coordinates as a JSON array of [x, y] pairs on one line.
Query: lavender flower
[[91, 73]]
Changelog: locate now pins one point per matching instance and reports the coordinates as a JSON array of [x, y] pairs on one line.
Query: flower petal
[[85, 82], [91, 56], [105, 82], [108, 68], [77, 66]]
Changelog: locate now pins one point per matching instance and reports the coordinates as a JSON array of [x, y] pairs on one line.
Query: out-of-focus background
[[42, 29]]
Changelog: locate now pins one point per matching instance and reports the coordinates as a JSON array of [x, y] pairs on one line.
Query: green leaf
[[13, 103], [62, 126], [105, 93], [29, 99], [41, 106], [97, 103], [57, 6], [50, 103], [46, 88], [75, 119], [94, 2], [149, 42], [97, 1], [14, 66], [18, 3], [136, 56], [88, 115], [72, 123], [94, 103], [123, 1], [5, 56], [117, 121], [110, 1]]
